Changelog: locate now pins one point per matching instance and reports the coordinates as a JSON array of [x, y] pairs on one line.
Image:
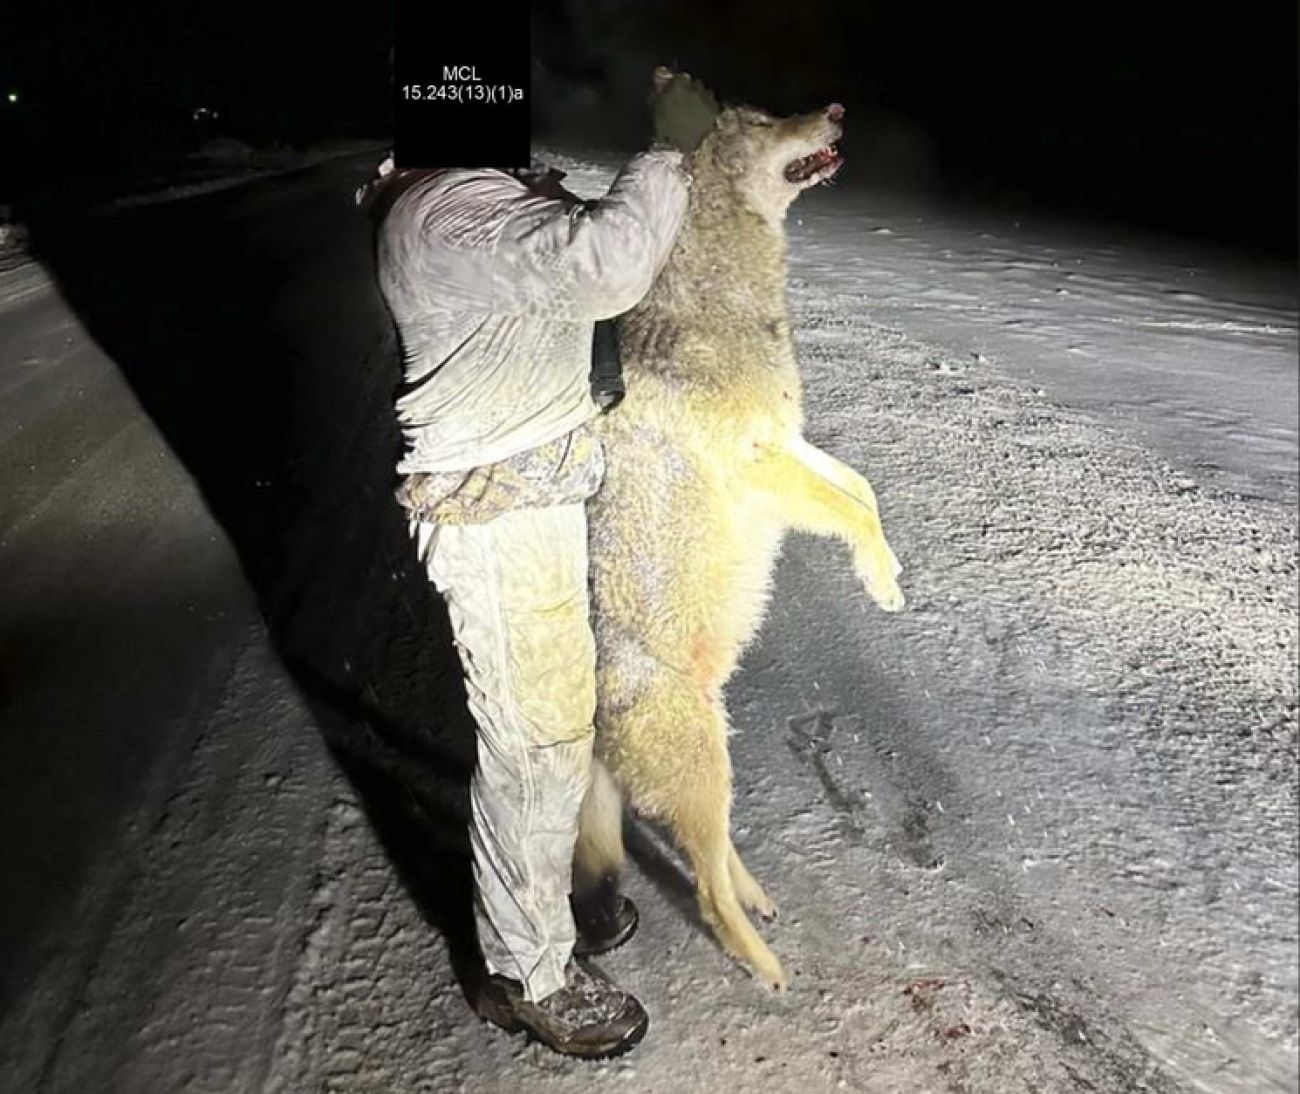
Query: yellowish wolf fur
[[706, 470]]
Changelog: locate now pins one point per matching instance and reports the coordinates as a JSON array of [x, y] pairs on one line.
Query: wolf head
[[767, 161], [770, 161]]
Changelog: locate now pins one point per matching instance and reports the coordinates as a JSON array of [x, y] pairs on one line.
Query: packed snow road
[[1037, 833]]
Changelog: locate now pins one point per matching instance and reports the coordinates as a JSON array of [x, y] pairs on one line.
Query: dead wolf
[[706, 469]]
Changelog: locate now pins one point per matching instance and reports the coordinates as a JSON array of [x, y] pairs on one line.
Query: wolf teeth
[[806, 166]]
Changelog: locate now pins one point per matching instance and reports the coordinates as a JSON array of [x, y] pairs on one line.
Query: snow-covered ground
[[1037, 833]]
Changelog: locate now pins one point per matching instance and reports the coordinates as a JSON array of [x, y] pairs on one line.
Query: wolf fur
[[707, 469]]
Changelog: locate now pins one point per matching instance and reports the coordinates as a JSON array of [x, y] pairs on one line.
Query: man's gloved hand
[[684, 110]]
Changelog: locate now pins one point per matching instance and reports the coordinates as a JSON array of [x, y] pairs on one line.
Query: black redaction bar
[[461, 84]]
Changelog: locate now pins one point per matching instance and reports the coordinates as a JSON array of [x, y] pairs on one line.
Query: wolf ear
[[727, 151], [663, 76]]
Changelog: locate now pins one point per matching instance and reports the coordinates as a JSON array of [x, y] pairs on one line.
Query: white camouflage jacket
[[495, 290]]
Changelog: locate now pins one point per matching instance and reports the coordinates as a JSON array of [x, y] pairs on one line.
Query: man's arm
[[484, 244]]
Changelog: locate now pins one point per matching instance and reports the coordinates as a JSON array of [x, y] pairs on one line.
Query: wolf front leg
[[816, 493]]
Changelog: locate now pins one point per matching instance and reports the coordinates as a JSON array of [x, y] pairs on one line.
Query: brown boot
[[589, 1017]]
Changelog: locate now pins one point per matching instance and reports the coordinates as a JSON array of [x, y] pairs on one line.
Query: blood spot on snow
[[920, 993]]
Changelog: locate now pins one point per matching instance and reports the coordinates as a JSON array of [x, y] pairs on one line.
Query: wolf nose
[[835, 112]]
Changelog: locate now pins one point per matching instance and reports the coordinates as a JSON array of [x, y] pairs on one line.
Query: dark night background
[[206, 570], [1174, 117]]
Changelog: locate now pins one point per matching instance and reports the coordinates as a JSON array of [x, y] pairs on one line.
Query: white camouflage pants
[[516, 592]]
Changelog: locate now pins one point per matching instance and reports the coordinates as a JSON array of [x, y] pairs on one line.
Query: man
[[495, 281]]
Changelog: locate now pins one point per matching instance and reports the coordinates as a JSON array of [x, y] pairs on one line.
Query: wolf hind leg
[[669, 751], [701, 828], [748, 891], [699, 818]]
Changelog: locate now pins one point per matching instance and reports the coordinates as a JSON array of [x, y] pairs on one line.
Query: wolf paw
[[772, 976], [753, 899], [878, 571], [890, 599]]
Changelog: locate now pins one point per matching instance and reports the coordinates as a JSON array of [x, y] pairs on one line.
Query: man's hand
[[684, 110]]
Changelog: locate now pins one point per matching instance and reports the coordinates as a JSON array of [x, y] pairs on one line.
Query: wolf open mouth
[[825, 161]]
